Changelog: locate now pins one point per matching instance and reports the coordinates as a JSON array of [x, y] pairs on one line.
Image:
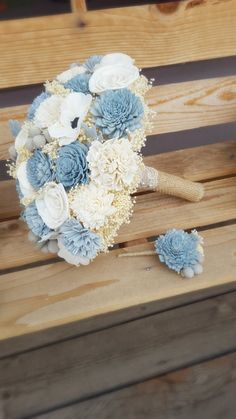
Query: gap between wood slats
[[43, 47], [178, 107], [175, 73], [183, 394], [34, 382]]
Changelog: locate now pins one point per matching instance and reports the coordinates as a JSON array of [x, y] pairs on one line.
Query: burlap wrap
[[171, 185]]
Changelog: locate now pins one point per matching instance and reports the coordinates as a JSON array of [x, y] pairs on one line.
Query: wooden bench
[[126, 337]]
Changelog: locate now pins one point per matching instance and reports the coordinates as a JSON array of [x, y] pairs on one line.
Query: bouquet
[[76, 159]]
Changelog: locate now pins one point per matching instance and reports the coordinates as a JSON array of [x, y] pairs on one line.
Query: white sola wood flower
[[25, 187], [114, 164], [70, 73], [63, 116], [52, 205], [92, 205], [115, 71]]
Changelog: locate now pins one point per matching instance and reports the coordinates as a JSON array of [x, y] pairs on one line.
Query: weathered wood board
[[154, 35], [208, 387], [109, 359]]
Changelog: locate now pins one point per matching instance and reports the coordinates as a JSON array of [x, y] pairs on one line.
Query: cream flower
[[73, 110], [25, 187], [112, 76], [22, 138], [69, 257], [52, 205], [70, 73], [114, 164], [48, 111], [115, 58], [92, 205]]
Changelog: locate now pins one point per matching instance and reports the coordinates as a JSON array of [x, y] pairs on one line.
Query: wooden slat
[[56, 294], [44, 46], [178, 107], [78, 5], [183, 394], [153, 215], [34, 382]]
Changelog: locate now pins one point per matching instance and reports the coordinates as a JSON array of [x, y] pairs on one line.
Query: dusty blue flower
[[15, 127], [34, 221], [79, 241], [90, 63], [178, 249], [18, 189], [39, 169], [35, 104], [71, 165], [116, 112], [79, 83]]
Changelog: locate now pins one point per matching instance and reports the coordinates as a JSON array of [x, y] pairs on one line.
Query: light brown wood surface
[[208, 387], [178, 107], [78, 5], [154, 35], [34, 381], [41, 297]]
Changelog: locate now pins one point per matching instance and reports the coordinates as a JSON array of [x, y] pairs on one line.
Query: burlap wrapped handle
[[171, 185]]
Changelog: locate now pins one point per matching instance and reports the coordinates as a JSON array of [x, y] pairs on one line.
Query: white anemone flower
[[73, 110], [63, 116]]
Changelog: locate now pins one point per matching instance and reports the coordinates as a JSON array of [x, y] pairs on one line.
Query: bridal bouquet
[[76, 159]]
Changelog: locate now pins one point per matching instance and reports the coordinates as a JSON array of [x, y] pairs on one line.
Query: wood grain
[[34, 382], [178, 107], [153, 215], [55, 294], [78, 5], [44, 46], [208, 387]]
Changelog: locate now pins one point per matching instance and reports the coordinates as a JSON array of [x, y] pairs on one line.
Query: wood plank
[[182, 394], [178, 107], [9, 202], [78, 5], [34, 382], [58, 294], [153, 215], [153, 35]]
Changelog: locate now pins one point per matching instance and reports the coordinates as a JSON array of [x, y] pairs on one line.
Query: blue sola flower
[[79, 83], [78, 240], [71, 165], [90, 63], [39, 169], [34, 221], [178, 249], [35, 104], [117, 111]]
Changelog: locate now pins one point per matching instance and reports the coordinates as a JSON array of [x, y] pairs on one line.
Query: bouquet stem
[[172, 185]]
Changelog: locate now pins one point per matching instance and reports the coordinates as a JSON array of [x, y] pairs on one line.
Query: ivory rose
[[115, 71], [52, 205]]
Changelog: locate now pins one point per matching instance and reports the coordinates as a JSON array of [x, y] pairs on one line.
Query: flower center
[[74, 123]]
